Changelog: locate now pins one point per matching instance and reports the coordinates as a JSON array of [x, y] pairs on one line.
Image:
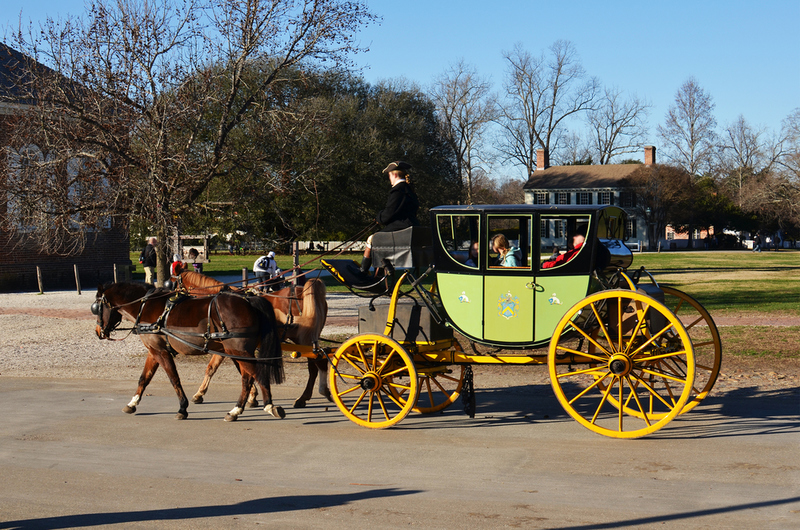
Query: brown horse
[[241, 327], [301, 310]]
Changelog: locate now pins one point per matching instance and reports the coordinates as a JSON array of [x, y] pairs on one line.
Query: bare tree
[[466, 108], [159, 97], [618, 126], [663, 197], [540, 93], [744, 152], [689, 131]]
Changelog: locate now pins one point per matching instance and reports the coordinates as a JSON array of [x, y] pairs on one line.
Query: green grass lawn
[[731, 281]]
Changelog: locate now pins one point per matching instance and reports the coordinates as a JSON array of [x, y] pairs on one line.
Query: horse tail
[[270, 341], [315, 305]]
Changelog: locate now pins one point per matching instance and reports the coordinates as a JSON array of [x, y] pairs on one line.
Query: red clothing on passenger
[[563, 258]]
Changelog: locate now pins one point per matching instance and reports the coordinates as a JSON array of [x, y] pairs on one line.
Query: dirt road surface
[[69, 458]]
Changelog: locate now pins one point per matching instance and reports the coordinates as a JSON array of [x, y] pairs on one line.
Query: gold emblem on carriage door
[[508, 305]]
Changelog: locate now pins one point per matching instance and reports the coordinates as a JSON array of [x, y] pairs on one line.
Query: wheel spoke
[[590, 339], [636, 398], [588, 388], [663, 375]]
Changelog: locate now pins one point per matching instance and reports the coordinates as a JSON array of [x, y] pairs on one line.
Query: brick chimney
[[649, 155], [542, 159]]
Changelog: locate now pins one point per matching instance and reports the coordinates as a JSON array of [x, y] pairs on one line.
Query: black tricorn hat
[[405, 167]]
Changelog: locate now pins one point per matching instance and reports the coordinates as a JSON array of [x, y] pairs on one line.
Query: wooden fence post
[[295, 262], [39, 278], [244, 277], [77, 278], [116, 273]]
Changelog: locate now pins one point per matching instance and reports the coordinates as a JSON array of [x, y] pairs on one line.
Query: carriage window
[[459, 233], [509, 241], [556, 243]]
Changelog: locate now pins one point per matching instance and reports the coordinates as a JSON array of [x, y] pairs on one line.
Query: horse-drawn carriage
[[625, 355]]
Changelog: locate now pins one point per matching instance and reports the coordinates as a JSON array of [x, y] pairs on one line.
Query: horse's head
[[108, 316]]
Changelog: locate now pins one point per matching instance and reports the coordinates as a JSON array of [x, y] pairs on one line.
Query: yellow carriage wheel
[[367, 373], [706, 344], [604, 352], [439, 386]]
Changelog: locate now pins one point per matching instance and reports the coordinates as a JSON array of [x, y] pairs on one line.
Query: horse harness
[[159, 326]]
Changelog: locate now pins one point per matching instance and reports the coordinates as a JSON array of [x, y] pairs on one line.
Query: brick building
[[104, 248]]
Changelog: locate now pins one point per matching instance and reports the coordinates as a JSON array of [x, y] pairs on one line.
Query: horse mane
[[125, 289], [199, 284]]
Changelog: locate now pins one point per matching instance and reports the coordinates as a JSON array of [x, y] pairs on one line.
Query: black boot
[[366, 263]]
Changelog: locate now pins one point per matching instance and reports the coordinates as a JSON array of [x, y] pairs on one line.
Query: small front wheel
[[605, 363], [368, 372]]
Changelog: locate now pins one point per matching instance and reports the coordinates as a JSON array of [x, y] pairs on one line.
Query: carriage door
[[560, 287], [508, 310]]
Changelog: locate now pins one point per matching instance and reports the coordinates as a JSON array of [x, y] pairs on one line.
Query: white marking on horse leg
[[277, 412], [135, 401], [235, 411]]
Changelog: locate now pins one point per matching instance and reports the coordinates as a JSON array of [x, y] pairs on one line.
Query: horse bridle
[[98, 309]]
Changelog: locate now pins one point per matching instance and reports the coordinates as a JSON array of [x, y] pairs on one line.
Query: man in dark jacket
[[401, 206], [149, 261]]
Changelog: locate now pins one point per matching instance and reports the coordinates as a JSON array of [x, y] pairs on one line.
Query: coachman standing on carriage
[[401, 206]]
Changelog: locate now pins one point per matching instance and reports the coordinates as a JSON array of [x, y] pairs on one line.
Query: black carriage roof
[[522, 208]]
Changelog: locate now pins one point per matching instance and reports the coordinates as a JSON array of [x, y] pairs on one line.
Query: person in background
[[401, 206], [265, 269], [149, 261], [193, 255], [177, 266], [508, 255]]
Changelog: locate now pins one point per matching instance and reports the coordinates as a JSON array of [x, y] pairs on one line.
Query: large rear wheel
[[620, 338], [705, 342], [368, 371]]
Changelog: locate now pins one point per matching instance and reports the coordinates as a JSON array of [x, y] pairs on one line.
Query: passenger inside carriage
[[578, 239], [507, 255], [472, 260]]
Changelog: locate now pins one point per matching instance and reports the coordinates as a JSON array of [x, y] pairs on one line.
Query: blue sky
[[745, 54]]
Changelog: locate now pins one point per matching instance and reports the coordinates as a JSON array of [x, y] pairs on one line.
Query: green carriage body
[[519, 307]]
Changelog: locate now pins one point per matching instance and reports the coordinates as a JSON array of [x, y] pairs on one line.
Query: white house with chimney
[[595, 184]]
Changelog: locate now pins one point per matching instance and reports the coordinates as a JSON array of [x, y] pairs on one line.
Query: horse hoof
[[277, 412], [181, 416], [197, 399], [253, 404], [299, 404], [328, 396], [231, 417], [128, 409]]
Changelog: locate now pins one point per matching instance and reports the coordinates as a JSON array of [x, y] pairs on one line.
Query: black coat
[[149, 254], [401, 208]]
